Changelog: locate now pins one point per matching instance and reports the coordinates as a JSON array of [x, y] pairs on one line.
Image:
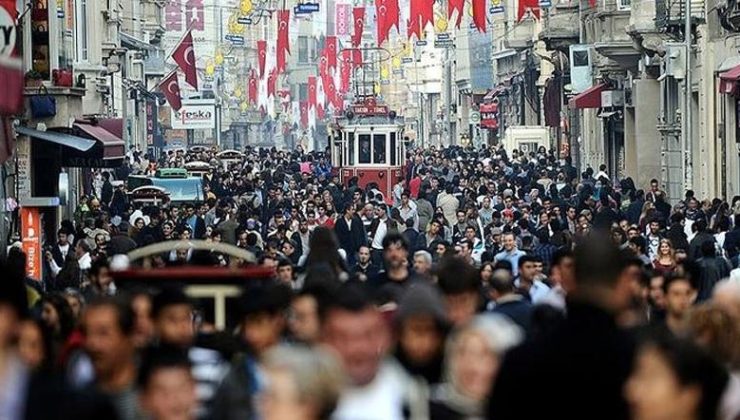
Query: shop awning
[[728, 80], [113, 147], [498, 90], [62, 139], [589, 98]]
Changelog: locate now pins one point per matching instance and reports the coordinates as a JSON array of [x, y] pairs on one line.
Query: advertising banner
[[31, 231], [195, 114]]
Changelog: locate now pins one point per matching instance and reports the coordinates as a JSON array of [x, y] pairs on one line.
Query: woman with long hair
[[665, 262], [324, 249]]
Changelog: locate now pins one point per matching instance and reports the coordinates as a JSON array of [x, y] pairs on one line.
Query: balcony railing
[[670, 15]]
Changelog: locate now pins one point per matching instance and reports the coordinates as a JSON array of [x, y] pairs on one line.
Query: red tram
[[368, 144]]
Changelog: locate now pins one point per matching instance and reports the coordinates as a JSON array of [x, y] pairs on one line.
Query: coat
[[350, 237], [449, 205], [583, 364]]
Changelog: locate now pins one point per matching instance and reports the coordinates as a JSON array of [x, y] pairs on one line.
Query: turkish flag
[[252, 88], [381, 14], [421, 12], [533, 5], [479, 14], [261, 56], [358, 15], [456, 5], [331, 51], [170, 87], [393, 13], [345, 70], [271, 80], [312, 91], [304, 114], [184, 56], [283, 44], [320, 113]]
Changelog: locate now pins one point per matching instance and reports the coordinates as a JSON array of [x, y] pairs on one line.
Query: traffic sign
[[421, 43], [475, 117], [306, 8], [244, 20], [407, 60]]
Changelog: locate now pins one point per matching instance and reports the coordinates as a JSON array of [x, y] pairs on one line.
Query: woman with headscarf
[[472, 359]]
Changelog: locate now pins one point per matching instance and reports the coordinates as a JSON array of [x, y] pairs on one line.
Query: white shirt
[[381, 399], [380, 234], [64, 249]]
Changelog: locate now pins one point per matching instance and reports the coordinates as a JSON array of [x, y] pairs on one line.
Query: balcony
[[670, 14], [521, 36], [560, 30], [611, 40], [68, 105]]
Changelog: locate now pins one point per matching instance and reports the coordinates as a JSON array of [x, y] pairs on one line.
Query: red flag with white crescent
[[170, 87], [304, 114], [261, 56], [479, 14], [381, 14], [271, 81], [184, 56], [252, 88], [345, 70], [358, 15], [320, 113], [426, 12], [312, 91], [524, 5], [456, 6], [331, 51], [392, 14], [283, 43]]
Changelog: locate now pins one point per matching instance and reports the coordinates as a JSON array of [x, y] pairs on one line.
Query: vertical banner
[[31, 231], [341, 19]]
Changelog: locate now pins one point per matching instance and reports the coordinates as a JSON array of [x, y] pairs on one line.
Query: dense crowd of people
[[483, 285]]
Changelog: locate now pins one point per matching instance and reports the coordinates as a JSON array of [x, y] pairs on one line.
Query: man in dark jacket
[[350, 233], [701, 235], [507, 301], [635, 208], [585, 361], [712, 269], [676, 233], [732, 240]]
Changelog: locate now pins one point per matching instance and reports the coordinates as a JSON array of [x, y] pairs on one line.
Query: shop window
[[40, 51]]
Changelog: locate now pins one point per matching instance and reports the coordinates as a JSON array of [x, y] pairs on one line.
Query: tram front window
[[364, 152], [379, 148]]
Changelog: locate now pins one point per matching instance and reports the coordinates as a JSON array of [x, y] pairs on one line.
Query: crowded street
[[480, 276], [370, 210]]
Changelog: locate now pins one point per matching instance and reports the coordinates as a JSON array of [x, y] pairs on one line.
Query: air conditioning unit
[[675, 64], [612, 98]]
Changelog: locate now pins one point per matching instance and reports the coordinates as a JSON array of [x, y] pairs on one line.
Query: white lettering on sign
[[23, 160], [7, 33]]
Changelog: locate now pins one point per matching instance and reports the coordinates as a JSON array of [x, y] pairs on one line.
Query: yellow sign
[[396, 62], [440, 23], [244, 106], [219, 57], [210, 68], [245, 7], [238, 93], [384, 73], [496, 3], [234, 27]]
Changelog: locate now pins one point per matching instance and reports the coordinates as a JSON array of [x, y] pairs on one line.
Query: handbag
[[61, 77], [43, 105]]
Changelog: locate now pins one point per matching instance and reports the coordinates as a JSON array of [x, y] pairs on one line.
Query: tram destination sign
[[369, 109]]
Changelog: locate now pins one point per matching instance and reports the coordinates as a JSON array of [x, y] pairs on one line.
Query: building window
[[82, 36], [40, 53], [303, 92], [303, 52], [623, 4]]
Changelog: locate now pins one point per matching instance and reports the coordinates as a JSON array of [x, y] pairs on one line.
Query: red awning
[[728, 80], [113, 147], [114, 125], [589, 98], [493, 93]]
